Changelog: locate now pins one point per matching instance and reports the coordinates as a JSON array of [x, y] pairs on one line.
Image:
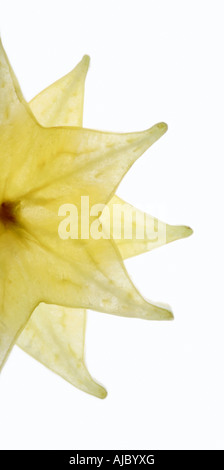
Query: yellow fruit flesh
[[43, 166]]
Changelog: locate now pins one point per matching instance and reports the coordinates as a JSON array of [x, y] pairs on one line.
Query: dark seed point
[[8, 213]]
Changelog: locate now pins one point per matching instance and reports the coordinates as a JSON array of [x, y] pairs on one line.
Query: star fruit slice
[[41, 169], [55, 335]]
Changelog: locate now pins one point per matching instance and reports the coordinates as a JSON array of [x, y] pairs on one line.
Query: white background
[[150, 61]]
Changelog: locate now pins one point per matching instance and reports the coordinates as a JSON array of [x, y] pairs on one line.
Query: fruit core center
[[8, 213]]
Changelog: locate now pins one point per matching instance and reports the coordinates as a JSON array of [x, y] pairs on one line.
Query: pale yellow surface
[[41, 169], [56, 337]]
